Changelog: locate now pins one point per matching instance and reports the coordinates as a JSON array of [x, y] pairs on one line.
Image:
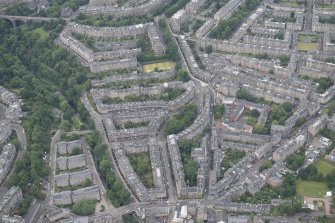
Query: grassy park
[[324, 167], [307, 46], [142, 166], [311, 188], [148, 68]]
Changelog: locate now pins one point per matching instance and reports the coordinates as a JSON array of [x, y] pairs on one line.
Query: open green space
[[141, 164], [307, 46], [84, 207], [324, 167], [160, 66], [180, 121], [311, 188], [190, 166], [327, 19]]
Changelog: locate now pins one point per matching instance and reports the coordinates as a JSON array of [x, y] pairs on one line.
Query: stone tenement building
[[199, 155], [10, 200], [132, 31], [156, 43], [192, 63], [205, 28], [319, 124], [329, 42], [71, 162], [134, 182], [317, 26], [133, 77], [201, 122], [7, 158], [73, 179], [290, 147], [194, 5], [172, 106], [177, 20], [116, 12], [68, 147], [227, 9], [13, 103], [226, 46], [70, 197], [100, 61], [269, 42], [271, 5], [98, 67], [5, 131]]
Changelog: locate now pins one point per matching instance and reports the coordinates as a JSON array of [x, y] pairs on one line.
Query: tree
[[255, 113], [218, 111], [260, 129], [84, 207]]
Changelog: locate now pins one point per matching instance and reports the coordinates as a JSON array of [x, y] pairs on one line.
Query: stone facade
[[73, 179], [290, 147], [143, 9], [11, 199], [67, 147], [177, 20], [7, 158], [70, 197], [72, 162]]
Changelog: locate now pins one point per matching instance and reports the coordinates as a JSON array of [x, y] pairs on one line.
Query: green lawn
[[324, 167], [311, 188], [307, 46], [148, 68]]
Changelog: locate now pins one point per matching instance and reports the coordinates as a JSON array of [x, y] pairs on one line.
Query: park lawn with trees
[[141, 164], [45, 77], [279, 113], [84, 207], [180, 121], [296, 160], [218, 111], [54, 10], [266, 165], [190, 166], [324, 167], [311, 188]]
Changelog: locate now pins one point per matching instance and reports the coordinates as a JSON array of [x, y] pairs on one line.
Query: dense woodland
[[45, 77], [54, 9]]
